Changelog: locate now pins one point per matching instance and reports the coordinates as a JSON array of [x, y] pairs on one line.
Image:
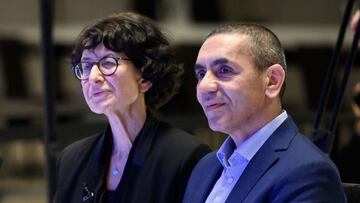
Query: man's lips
[[213, 106]]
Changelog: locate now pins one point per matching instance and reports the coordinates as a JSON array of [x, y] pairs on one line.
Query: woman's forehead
[[99, 52]]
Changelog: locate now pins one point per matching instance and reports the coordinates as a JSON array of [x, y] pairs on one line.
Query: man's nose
[[208, 83]]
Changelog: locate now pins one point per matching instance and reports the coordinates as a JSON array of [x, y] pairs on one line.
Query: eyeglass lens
[[107, 66]]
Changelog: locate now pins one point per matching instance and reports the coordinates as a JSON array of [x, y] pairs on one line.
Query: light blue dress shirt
[[235, 160]]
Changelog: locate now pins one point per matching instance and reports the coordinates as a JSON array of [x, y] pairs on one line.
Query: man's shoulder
[[204, 175], [210, 160], [303, 157], [208, 163], [307, 164], [304, 153], [306, 147], [292, 150], [290, 144]]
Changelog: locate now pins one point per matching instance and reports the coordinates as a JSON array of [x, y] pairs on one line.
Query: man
[[241, 72]]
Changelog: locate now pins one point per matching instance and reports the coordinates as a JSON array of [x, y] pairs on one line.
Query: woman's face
[[117, 93]]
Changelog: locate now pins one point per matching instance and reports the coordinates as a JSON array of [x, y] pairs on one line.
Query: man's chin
[[216, 125]]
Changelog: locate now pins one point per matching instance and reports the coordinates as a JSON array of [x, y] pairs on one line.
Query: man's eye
[[224, 70], [200, 74]]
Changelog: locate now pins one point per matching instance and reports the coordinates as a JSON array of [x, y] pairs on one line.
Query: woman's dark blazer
[[157, 170]]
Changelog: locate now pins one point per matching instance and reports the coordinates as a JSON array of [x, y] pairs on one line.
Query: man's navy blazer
[[287, 168]]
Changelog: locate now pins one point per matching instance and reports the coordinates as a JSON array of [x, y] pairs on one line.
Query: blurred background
[[307, 29]]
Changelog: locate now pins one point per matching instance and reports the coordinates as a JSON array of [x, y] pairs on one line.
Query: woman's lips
[[99, 94]]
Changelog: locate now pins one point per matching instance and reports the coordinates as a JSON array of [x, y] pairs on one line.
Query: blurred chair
[[352, 192]]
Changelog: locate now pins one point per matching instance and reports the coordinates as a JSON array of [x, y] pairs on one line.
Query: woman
[[125, 69]]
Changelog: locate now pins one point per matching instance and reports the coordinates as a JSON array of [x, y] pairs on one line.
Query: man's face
[[230, 89]]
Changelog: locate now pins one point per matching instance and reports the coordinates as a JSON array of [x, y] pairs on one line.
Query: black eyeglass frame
[[116, 59]]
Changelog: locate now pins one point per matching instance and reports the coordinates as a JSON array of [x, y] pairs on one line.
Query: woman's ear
[[275, 77], [144, 85]]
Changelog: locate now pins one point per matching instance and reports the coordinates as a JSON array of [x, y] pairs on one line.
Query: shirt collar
[[229, 155]]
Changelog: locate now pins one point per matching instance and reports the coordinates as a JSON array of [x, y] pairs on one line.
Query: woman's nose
[[95, 74]]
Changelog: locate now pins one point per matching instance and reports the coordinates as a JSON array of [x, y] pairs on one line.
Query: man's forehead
[[229, 37], [225, 43], [223, 46]]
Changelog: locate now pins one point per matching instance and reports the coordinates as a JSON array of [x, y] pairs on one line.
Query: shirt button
[[230, 179]]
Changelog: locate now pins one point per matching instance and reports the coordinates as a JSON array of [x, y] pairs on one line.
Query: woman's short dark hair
[[144, 43]]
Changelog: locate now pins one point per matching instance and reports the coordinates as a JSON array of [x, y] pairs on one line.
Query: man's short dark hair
[[264, 46]]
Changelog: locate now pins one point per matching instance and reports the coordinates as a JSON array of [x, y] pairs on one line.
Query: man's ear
[[144, 85], [275, 77]]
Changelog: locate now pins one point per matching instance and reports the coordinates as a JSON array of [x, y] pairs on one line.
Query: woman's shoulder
[[170, 132], [79, 148], [173, 138]]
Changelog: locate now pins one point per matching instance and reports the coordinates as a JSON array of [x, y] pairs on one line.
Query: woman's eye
[[108, 64], [86, 66]]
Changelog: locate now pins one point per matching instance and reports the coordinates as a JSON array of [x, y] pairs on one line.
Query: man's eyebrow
[[198, 67], [220, 61], [214, 63]]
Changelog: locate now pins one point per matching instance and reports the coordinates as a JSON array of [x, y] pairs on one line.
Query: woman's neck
[[125, 127]]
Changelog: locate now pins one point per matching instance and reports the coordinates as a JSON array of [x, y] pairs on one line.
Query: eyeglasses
[[107, 67]]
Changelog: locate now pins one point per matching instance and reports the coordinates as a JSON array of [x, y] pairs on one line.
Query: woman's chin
[[99, 109]]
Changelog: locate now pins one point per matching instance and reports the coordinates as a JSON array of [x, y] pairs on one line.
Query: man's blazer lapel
[[253, 172], [263, 160]]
